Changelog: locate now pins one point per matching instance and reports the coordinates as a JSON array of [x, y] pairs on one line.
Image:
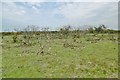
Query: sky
[[19, 14]]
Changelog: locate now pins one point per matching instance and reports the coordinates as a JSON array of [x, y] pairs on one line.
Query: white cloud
[[10, 8], [60, 0], [33, 4], [70, 13], [34, 0], [79, 10], [21, 12], [0, 16], [90, 13], [87, 0], [35, 9], [23, 1]]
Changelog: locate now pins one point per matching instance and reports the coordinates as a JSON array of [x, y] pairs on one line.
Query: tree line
[[64, 30]]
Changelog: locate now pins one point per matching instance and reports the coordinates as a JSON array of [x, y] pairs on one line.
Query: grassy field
[[85, 57]]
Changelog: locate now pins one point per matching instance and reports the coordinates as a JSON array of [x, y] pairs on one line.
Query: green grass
[[85, 60]]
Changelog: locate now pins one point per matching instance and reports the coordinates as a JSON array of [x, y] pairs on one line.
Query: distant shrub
[[65, 31], [2, 37], [14, 38]]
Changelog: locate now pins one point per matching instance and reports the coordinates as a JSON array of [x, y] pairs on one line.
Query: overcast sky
[[55, 14]]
